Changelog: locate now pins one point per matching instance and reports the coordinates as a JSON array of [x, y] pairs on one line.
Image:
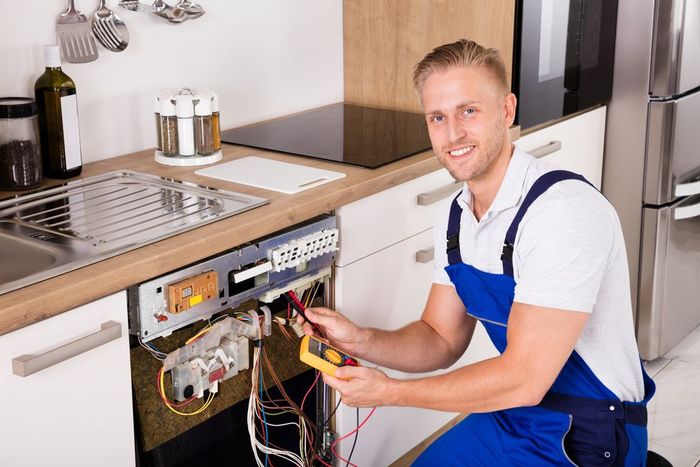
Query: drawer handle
[[26, 365], [688, 189], [425, 256], [549, 148], [686, 212], [426, 199]]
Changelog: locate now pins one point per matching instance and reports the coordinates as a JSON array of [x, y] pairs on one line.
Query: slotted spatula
[[75, 36]]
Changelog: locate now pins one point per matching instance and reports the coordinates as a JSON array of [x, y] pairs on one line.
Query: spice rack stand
[[187, 128], [187, 161]]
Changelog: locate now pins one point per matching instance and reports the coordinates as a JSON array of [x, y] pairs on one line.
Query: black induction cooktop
[[340, 132]]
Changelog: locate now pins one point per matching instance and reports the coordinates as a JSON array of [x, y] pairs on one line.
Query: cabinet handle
[[26, 365], [686, 212], [548, 148], [688, 189], [425, 256], [431, 197]]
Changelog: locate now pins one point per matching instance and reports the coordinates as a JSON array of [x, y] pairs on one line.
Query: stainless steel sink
[[53, 231]]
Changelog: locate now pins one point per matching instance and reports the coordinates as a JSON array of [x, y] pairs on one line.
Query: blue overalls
[[579, 421]]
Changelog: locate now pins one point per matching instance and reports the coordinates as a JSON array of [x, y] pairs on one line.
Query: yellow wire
[[312, 294], [196, 412], [200, 333]]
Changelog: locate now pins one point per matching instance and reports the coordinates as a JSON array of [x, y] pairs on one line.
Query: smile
[[461, 151]]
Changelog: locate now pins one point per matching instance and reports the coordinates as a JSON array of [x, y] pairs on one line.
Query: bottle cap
[[214, 102], [156, 104], [167, 108], [183, 106], [17, 107], [203, 106], [52, 56]]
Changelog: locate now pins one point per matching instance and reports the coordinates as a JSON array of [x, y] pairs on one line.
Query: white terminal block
[[297, 286], [303, 249]]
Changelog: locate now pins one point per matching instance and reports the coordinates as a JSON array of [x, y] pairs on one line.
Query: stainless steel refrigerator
[[668, 288]]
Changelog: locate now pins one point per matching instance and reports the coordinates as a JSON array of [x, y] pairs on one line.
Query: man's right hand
[[337, 329]]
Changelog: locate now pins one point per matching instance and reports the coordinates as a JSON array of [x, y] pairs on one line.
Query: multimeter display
[[322, 356]]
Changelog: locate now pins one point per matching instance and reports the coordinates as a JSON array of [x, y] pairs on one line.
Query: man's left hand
[[361, 386]]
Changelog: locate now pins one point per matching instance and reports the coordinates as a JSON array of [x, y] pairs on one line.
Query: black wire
[[332, 413], [357, 431], [319, 431]]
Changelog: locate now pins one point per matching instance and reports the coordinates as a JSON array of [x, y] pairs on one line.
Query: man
[[537, 255]]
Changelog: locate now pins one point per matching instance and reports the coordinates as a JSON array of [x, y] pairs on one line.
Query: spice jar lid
[[17, 107], [203, 107], [183, 106], [214, 102], [167, 108]]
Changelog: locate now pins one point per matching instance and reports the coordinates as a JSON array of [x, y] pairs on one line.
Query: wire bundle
[[260, 408]]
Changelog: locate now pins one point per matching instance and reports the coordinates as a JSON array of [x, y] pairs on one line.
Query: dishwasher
[[215, 354]]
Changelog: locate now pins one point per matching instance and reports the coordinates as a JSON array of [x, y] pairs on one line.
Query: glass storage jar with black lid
[[20, 159]]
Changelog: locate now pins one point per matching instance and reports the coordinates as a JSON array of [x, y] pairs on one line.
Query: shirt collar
[[511, 189]]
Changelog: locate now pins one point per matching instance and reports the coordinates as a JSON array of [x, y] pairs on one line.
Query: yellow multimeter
[[322, 356]]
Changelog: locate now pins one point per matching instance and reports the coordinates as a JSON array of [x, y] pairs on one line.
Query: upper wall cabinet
[[384, 39]]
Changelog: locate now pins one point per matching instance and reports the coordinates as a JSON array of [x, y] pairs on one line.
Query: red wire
[[321, 460], [345, 436], [318, 373]]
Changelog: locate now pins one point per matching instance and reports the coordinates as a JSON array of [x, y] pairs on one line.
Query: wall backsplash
[[263, 58]]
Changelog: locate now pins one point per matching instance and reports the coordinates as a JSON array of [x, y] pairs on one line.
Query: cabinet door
[[575, 144], [388, 290], [77, 412], [377, 221]]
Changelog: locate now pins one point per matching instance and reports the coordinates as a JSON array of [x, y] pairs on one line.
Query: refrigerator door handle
[[686, 212], [688, 189]]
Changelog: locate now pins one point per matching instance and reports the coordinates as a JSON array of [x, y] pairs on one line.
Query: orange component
[[192, 291]]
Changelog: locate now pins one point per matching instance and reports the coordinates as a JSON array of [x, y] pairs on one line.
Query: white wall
[[264, 58]]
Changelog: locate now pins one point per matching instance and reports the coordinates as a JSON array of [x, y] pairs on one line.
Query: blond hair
[[465, 53]]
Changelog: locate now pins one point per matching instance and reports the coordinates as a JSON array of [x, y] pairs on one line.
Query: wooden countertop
[[47, 298], [50, 297]]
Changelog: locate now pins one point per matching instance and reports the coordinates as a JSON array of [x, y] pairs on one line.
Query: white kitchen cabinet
[[575, 144], [74, 412], [386, 286]]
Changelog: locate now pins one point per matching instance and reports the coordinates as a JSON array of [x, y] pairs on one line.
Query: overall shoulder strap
[[453, 254], [540, 186]]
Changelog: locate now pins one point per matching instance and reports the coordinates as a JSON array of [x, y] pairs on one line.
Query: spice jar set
[[187, 127], [20, 158]]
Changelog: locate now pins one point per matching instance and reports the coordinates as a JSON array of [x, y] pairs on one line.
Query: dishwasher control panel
[[261, 270]]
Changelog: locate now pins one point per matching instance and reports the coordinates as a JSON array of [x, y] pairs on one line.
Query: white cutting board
[[270, 174]]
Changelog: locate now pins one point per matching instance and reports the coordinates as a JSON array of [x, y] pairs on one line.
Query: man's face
[[468, 116]]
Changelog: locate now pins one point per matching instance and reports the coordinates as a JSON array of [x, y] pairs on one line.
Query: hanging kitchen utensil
[[191, 9], [169, 13], [136, 5], [74, 36], [109, 29]]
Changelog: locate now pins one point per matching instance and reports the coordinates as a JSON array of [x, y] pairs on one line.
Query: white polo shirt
[[569, 253]]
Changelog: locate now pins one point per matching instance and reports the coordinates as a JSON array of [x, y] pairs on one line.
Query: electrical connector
[[298, 329], [267, 324], [303, 249], [297, 286]]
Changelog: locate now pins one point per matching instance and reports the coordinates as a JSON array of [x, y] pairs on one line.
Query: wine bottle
[[57, 108]]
